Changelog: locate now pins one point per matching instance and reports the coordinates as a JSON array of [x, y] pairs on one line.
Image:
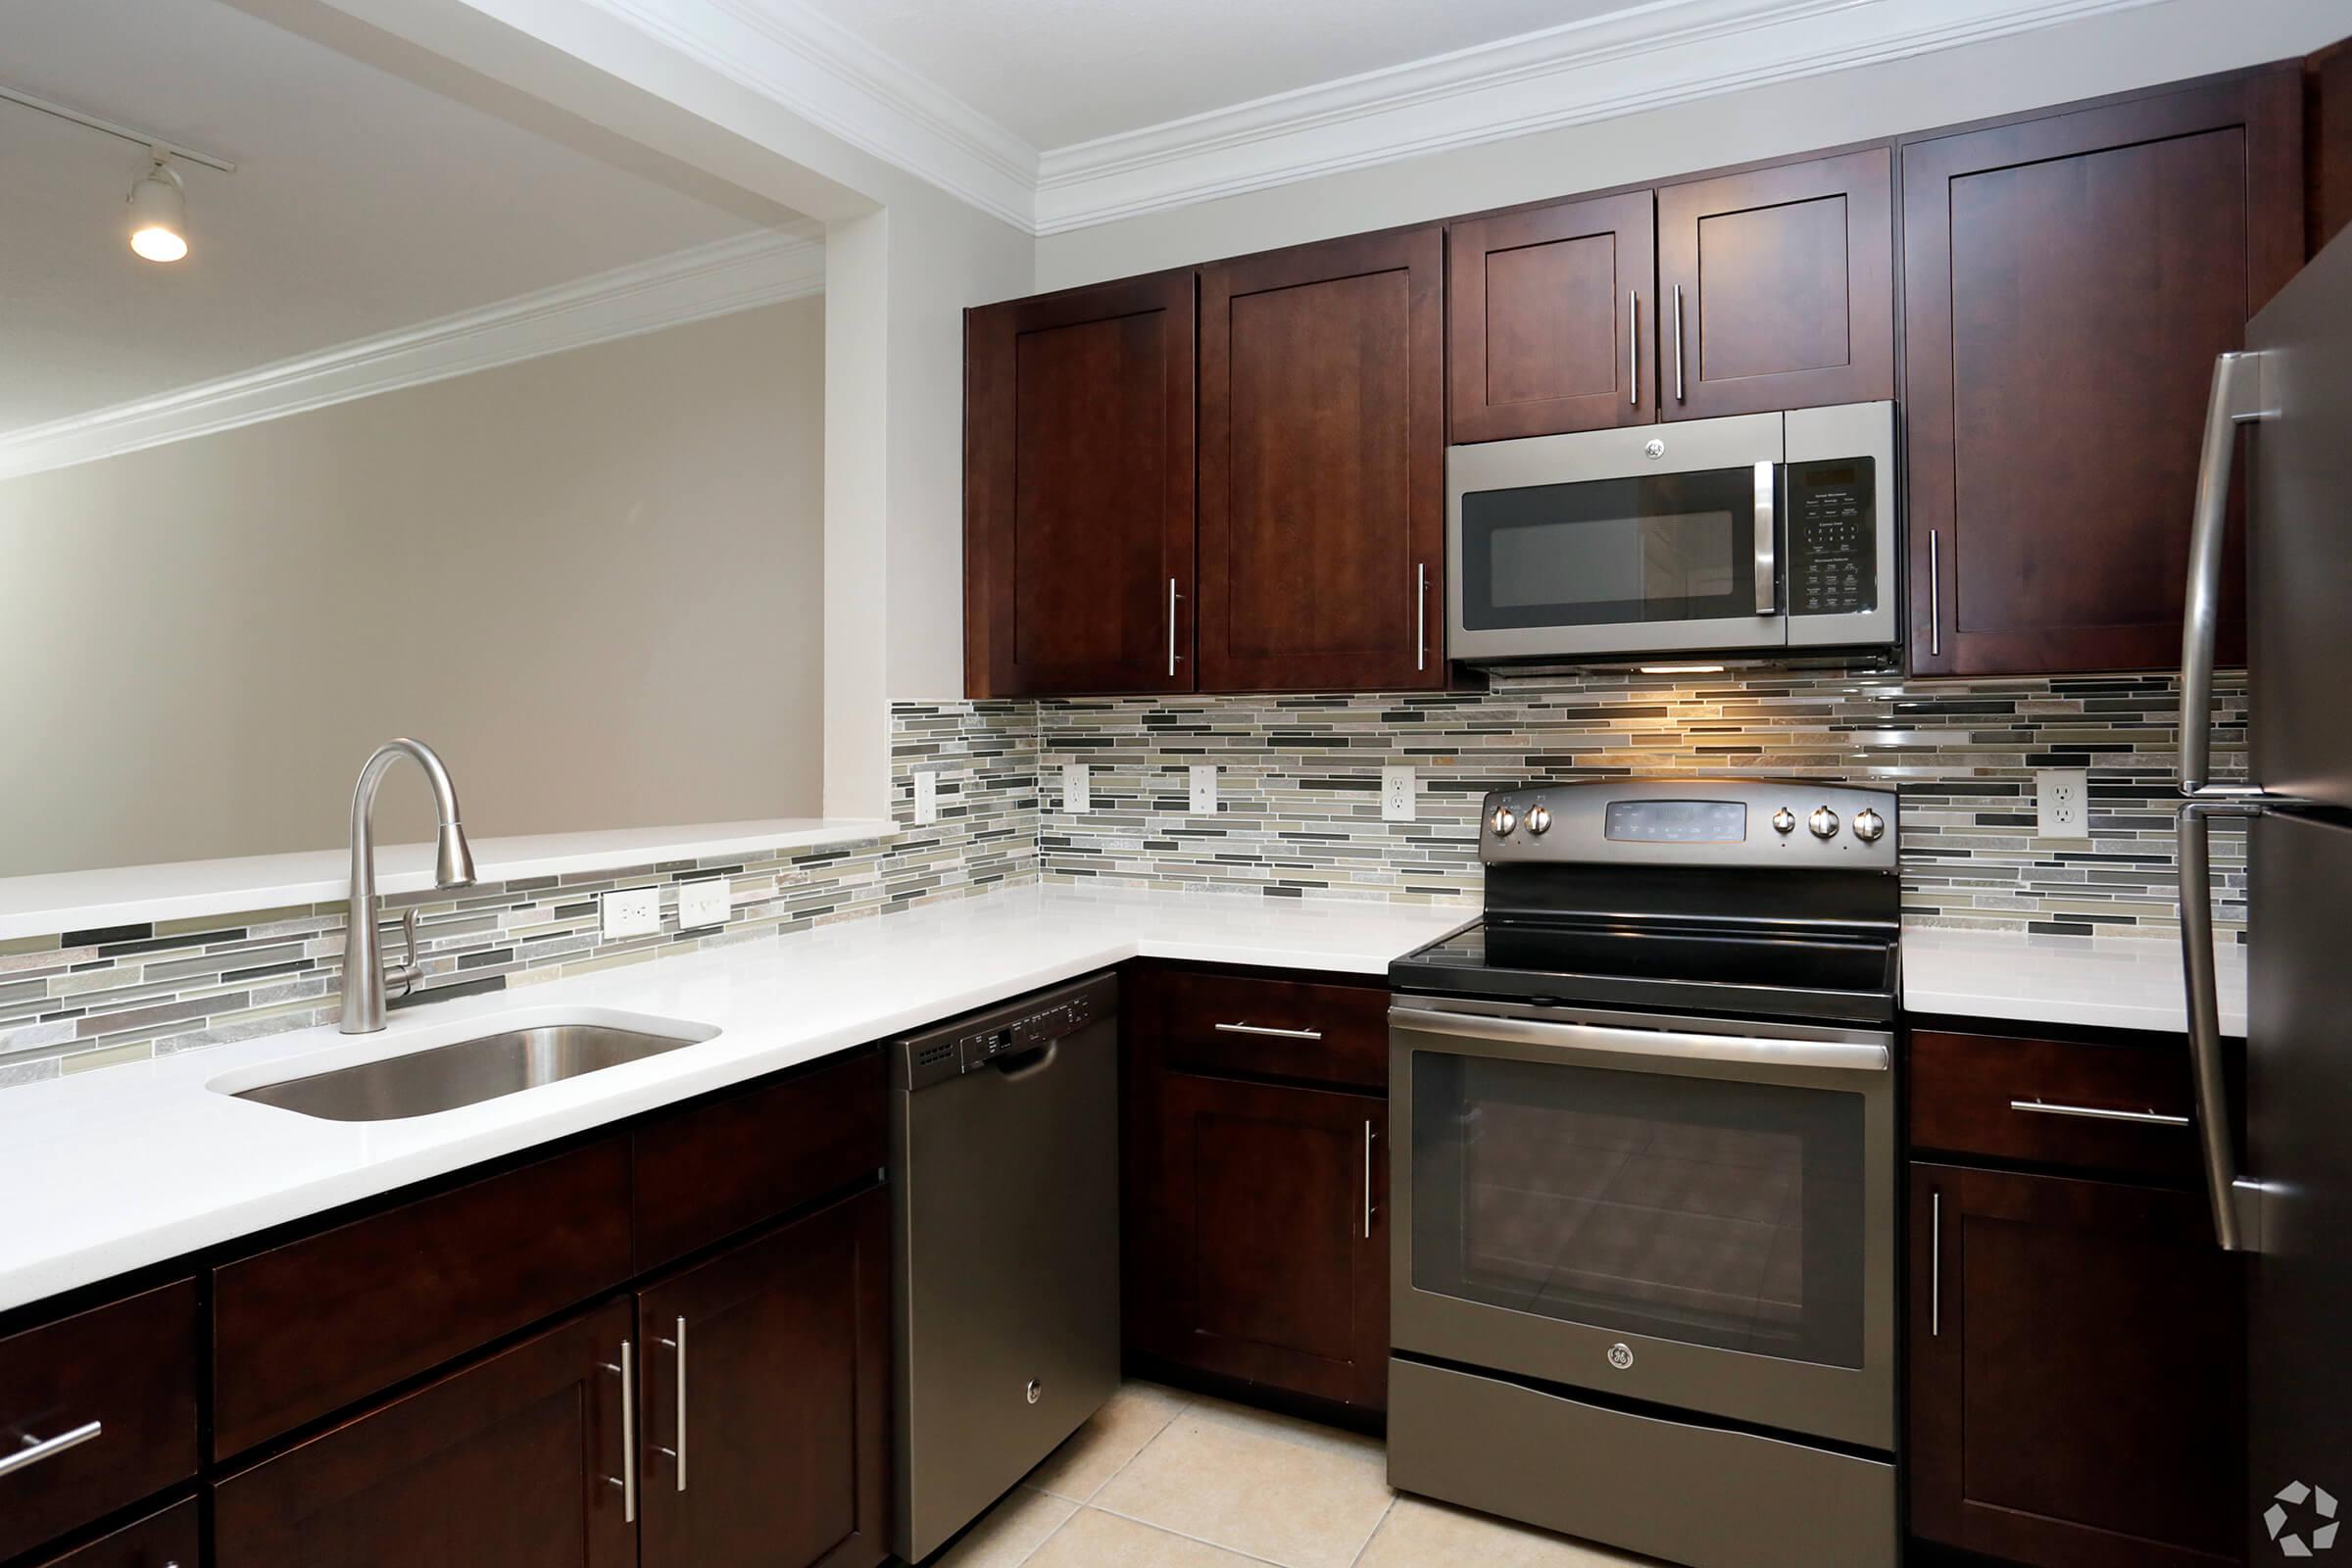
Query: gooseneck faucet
[[363, 948]]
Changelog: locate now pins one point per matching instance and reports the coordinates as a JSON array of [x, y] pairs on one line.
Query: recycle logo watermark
[[2293, 1495]]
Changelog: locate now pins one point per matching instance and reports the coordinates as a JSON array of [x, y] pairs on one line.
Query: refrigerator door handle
[[2223, 1186], [2235, 400]]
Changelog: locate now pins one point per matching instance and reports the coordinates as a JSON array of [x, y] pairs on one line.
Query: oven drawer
[[2113, 1107], [1676, 1490], [1261, 1027]]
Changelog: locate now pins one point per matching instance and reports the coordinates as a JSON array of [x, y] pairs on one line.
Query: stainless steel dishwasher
[[1004, 1182]]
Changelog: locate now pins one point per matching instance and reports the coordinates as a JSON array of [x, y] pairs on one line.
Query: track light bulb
[[159, 213]]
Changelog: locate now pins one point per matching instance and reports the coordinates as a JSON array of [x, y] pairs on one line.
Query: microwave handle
[[1768, 566]]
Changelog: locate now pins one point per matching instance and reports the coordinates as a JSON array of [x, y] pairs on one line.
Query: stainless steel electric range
[[1644, 1109]]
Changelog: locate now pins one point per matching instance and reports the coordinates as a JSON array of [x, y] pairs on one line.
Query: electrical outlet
[[707, 901], [1076, 794], [1399, 794], [2062, 803], [630, 912], [1204, 789], [926, 799]]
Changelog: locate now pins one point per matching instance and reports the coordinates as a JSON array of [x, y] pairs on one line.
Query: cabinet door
[[1551, 318], [2067, 282], [1322, 468], [2076, 1372], [767, 1397], [170, 1538], [1265, 1216], [1078, 491], [1785, 284], [514, 1460]]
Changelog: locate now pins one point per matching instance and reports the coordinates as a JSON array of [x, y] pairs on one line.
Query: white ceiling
[[1060, 72], [363, 203]]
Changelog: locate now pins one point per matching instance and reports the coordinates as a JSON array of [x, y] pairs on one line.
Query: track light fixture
[[159, 212]]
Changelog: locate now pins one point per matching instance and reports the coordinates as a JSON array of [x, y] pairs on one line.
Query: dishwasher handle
[[1028, 1065]]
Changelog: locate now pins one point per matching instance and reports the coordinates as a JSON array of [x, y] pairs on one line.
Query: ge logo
[[2293, 1495], [1655, 450], [1621, 1357]]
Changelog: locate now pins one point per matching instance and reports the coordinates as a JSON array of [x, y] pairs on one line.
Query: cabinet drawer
[[166, 1538], [318, 1323], [128, 1370], [1262, 1027], [1967, 1090], [725, 1165]]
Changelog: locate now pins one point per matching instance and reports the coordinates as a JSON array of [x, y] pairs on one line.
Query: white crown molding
[[1644, 57], [732, 275], [789, 51]]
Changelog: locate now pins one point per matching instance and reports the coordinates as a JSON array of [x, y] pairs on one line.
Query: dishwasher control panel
[[1005, 1033]]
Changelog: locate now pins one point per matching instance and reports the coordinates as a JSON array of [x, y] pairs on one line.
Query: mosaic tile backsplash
[[1298, 780], [1299, 814], [90, 999]]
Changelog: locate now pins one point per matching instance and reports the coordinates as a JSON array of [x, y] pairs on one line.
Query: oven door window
[[1712, 1211], [1611, 552]]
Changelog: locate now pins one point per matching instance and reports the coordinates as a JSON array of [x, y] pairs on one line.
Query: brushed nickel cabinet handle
[[1632, 347], [1367, 1181], [1173, 596], [626, 1481], [2152, 1118], [1268, 1029], [1677, 344], [1935, 593], [36, 1449], [1421, 614], [1936, 1266], [677, 1456]]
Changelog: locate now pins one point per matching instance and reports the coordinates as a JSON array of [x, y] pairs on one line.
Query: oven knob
[[1503, 821], [1868, 825], [1823, 822], [1784, 820], [1538, 820]]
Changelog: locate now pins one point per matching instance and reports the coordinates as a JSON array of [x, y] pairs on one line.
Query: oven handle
[[1646, 1041]]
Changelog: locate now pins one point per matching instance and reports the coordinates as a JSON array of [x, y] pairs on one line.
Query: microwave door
[[1590, 544]]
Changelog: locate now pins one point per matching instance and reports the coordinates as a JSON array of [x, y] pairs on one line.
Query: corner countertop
[[114, 1170], [2114, 983]]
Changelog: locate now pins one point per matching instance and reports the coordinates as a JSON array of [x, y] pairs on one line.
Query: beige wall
[[2110, 53], [594, 581]]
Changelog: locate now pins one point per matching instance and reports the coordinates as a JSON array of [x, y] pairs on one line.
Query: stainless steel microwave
[[1740, 535]]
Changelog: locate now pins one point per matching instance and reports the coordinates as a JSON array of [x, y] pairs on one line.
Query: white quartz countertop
[[2114, 983], [110, 1171]]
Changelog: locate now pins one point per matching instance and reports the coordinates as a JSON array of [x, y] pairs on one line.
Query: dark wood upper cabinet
[[1551, 317], [2328, 143], [2077, 1379], [1078, 491], [784, 1396], [514, 1460], [1322, 466], [1786, 280], [2067, 282]]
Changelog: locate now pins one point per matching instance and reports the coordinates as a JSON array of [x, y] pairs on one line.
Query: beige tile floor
[[1160, 1479]]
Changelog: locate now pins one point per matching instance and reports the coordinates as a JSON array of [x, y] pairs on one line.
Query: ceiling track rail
[[158, 144]]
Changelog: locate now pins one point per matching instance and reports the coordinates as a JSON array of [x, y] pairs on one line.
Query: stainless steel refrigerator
[[2282, 411]]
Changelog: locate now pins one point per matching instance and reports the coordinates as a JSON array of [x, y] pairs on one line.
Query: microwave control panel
[[1832, 537]]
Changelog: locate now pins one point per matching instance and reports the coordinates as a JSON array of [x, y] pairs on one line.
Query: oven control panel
[[1723, 822], [1832, 537]]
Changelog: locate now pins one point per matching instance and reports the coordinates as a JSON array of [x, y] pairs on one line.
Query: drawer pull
[[1268, 1029], [2146, 1118], [37, 1449]]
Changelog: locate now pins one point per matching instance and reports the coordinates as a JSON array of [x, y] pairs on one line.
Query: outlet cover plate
[[705, 902], [1399, 794], [630, 912], [1077, 794], [1205, 788], [2062, 803], [926, 798]]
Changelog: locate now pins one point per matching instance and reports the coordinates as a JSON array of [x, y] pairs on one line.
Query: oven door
[[1687, 1212], [1587, 544]]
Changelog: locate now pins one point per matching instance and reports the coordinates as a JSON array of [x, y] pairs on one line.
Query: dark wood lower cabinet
[[1263, 1240], [783, 1398], [2076, 1377], [168, 1538], [514, 1460]]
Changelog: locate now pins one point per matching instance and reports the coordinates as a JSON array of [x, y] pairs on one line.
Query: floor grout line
[[1354, 1561]]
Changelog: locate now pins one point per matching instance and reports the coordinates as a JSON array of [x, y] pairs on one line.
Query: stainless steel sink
[[466, 1073]]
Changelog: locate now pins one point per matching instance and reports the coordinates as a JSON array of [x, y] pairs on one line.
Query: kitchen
[[1428, 804]]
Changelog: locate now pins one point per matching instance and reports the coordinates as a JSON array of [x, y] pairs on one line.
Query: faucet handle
[[404, 979]]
